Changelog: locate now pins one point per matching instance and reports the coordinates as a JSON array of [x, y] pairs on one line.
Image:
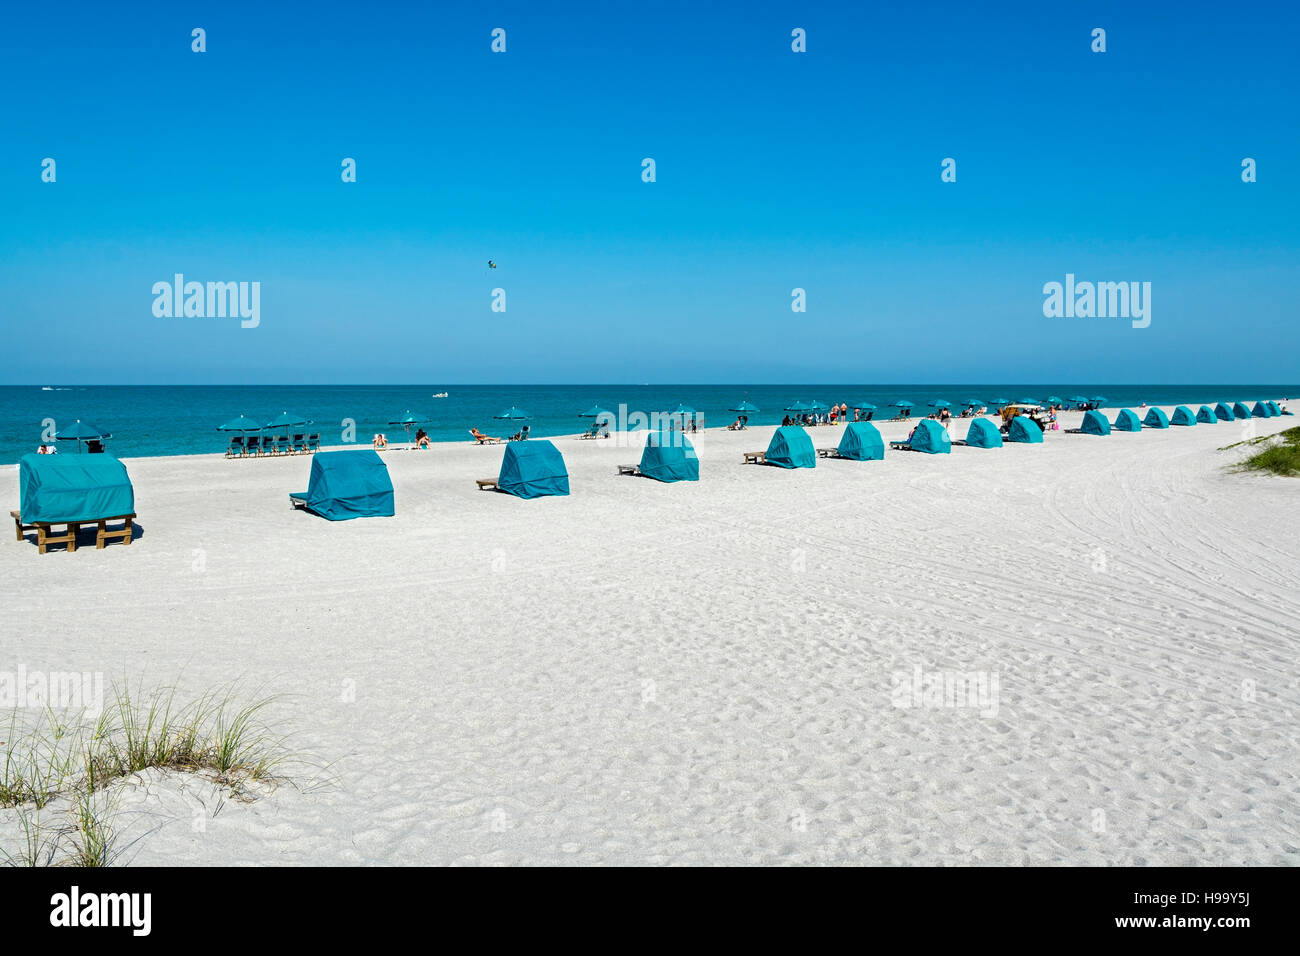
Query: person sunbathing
[[380, 442], [481, 438]]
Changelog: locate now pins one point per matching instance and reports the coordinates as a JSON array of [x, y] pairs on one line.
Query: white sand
[[701, 673]]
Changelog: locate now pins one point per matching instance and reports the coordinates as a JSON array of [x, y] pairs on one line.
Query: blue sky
[[775, 170]]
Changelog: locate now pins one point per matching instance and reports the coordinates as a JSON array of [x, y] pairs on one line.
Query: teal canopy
[[1156, 418], [1240, 411], [512, 414], [791, 448], [669, 456], [285, 420], [533, 469], [1127, 421], [349, 484], [1261, 410], [59, 488], [1223, 412], [596, 412], [1182, 416], [1094, 423], [862, 442], [81, 431], [901, 405], [749, 408], [999, 402], [1207, 416], [931, 438], [1099, 400], [1024, 429], [983, 434], [1054, 400], [1275, 409], [240, 424], [940, 403]]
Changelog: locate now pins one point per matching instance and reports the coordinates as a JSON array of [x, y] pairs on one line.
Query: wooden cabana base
[[45, 534]]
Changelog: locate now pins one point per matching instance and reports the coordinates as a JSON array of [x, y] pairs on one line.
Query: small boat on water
[[440, 395]]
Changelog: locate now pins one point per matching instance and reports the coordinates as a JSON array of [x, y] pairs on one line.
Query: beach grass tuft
[[1281, 456], [62, 756]]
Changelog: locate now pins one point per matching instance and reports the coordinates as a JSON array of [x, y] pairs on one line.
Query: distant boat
[[440, 395]]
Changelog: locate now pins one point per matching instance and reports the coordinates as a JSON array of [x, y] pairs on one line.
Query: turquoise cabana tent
[[1182, 416], [61, 488], [862, 442], [669, 456], [1260, 411], [1207, 416], [1223, 412], [1024, 429], [1127, 421], [791, 448], [533, 469], [1239, 410], [983, 434], [1275, 408], [348, 484], [931, 438], [1156, 418], [1094, 423]]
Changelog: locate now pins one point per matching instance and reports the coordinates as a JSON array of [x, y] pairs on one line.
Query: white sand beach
[[705, 673]]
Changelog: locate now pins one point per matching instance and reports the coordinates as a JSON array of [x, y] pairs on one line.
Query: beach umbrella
[[973, 403], [799, 407], [817, 406], [901, 405], [940, 403], [1028, 401], [80, 432], [285, 420], [1098, 400], [1054, 399], [999, 402], [407, 420], [242, 425], [512, 414], [748, 408], [1079, 398], [865, 406], [597, 412]]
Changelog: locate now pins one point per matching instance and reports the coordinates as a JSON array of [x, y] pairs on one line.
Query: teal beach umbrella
[[82, 433], [512, 414]]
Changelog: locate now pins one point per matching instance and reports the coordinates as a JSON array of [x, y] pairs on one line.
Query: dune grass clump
[[1281, 456], [61, 756]]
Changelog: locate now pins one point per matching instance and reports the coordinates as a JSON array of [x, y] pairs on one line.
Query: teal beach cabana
[[669, 456], [1127, 421], [1094, 423], [347, 484], [1207, 416], [861, 442], [1223, 412], [533, 469], [1239, 410], [931, 438], [1156, 418], [1022, 428], [57, 489], [1182, 416], [1261, 410], [791, 447], [1275, 408], [983, 434]]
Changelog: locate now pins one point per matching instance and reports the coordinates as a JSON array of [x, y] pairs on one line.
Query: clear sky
[[775, 170]]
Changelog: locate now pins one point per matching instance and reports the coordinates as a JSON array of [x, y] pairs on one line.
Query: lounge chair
[[313, 442], [756, 457], [829, 453], [484, 439], [901, 445], [486, 484], [299, 444], [629, 469], [236, 448]]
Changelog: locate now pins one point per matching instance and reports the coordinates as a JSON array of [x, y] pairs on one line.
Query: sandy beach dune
[[710, 672]]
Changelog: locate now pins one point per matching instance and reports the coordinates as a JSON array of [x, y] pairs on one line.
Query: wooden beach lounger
[[901, 445], [44, 535], [755, 457], [829, 453], [484, 484], [299, 500], [629, 469]]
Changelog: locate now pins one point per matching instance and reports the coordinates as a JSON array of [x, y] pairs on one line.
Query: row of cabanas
[[1094, 423]]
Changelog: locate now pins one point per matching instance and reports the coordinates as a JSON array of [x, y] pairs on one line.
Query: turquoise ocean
[[147, 420]]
